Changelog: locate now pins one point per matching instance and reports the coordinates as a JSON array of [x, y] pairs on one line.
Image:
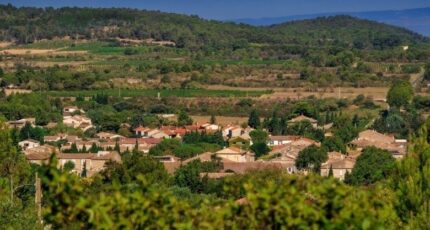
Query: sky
[[234, 9]]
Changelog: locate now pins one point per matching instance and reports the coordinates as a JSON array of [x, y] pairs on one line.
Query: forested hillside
[[346, 31], [27, 25]]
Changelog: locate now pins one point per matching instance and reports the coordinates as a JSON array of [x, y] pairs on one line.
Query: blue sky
[[231, 9]]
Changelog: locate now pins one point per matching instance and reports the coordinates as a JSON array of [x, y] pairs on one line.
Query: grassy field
[[163, 93]]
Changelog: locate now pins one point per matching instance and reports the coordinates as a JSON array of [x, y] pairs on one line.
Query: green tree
[[330, 172], [84, 170], [334, 143], [254, 119], [275, 126], [94, 148], [427, 72], [74, 148], [68, 166], [184, 119], [13, 164], [400, 94], [189, 176], [213, 119], [411, 181], [259, 136], [311, 158], [371, 166], [260, 149]]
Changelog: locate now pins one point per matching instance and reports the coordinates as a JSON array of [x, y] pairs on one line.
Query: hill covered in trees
[[28, 24]]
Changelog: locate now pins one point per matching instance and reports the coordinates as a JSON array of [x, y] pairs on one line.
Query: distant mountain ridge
[[417, 20], [28, 24]]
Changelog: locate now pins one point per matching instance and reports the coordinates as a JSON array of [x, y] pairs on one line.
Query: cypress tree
[[254, 119], [74, 148], [213, 119], [330, 172]]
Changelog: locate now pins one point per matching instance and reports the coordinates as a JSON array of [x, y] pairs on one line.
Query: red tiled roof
[[150, 141]]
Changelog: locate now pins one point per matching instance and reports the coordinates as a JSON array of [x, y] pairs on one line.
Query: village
[[92, 154]]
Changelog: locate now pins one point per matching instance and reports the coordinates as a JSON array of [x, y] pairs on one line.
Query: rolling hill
[[29, 24], [417, 20]]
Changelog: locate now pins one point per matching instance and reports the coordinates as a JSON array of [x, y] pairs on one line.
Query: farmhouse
[[78, 121], [388, 142], [28, 144], [236, 155], [304, 118], [18, 124], [91, 162]]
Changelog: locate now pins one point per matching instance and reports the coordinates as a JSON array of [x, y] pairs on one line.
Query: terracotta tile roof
[[140, 129], [202, 157], [231, 150], [215, 175], [151, 141], [171, 166], [239, 167], [302, 118], [34, 156], [339, 164]]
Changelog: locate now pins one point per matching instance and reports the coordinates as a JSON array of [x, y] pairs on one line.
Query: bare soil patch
[[39, 52]]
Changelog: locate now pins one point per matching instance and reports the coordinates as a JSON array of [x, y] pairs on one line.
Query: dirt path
[[417, 78]]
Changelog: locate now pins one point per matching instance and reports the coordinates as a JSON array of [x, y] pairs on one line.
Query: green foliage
[[305, 128], [163, 93], [400, 94], [184, 119], [345, 129], [372, 165], [311, 158], [30, 132], [254, 119], [166, 147], [199, 137], [319, 202], [69, 166], [334, 144], [132, 167], [189, 176], [30, 105], [260, 149], [427, 72], [259, 136], [411, 183]]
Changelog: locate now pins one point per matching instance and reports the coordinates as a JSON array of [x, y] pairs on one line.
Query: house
[[143, 144], [279, 140], [339, 167], [240, 142], [236, 154], [80, 144], [167, 158], [78, 121], [18, 124], [55, 138], [289, 152], [40, 154], [162, 135], [28, 144], [232, 131], [244, 167], [204, 157], [69, 110], [72, 139], [367, 138], [91, 162], [210, 127], [146, 132], [108, 136], [304, 118]]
